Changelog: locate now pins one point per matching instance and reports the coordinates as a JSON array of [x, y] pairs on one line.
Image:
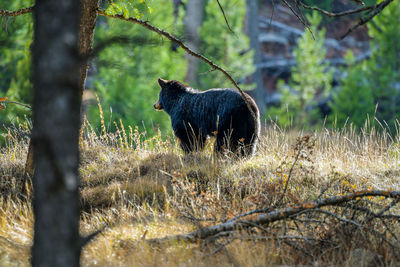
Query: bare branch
[[184, 47], [22, 11], [362, 21], [299, 17], [339, 14]]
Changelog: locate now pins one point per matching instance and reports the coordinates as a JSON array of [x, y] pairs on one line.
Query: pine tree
[[382, 70], [354, 102], [311, 79], [374, 82], [222, 46]]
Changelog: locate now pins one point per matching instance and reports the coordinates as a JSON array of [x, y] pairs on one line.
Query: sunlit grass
[[136, 188]]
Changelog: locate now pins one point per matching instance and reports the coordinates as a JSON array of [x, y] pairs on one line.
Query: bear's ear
[[162, 82]]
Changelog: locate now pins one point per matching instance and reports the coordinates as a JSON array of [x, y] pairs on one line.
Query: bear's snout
[[157, 106]]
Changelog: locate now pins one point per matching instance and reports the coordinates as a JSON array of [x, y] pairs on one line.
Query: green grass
[[146, 188]]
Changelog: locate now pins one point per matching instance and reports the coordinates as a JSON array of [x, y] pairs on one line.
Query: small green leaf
[[117, 7], [110, 10], [137, 13], [126, 13]]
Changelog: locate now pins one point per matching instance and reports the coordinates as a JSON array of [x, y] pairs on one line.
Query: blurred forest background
[[305, 79]]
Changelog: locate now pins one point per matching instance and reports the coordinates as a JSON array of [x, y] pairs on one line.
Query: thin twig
[[18, 12], [362, 21], [288, 179], [305, 23], [272, 13], [17, 103], [226, 20], [338, 14]]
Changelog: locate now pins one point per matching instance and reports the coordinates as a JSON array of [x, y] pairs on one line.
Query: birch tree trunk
[[55, 134]]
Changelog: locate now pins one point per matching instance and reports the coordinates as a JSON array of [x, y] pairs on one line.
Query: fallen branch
[[271, 216]]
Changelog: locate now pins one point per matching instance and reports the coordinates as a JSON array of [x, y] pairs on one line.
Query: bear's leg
[[224, 142], [190, 141], [243, 141], [236, 139]]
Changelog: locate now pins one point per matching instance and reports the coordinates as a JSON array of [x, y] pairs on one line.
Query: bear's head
[[169, 94]]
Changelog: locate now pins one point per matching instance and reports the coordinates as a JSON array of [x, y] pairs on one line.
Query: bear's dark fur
[[216, 112]]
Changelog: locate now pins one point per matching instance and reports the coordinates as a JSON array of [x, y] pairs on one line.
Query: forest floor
[[135, 189]]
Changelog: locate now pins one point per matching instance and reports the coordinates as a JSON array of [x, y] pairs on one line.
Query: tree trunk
[[88, 16], [55, 134], [253, 32], [193, 20]]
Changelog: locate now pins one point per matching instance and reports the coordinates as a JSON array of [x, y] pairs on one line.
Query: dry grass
[[142, 188]]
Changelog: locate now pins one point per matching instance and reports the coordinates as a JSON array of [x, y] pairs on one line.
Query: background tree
[[310, 80], [382, 70], [224, 48], [192, 23], [353, 103], [55, 133], [253, 33], [374, 82]]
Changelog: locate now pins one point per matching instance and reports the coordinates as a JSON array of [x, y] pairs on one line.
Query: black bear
[[219, 112]]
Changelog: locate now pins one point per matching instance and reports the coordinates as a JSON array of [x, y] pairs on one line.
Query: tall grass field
[[134, 189]]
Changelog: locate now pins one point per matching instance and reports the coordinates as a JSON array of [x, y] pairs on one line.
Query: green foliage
[[382, 70], [376, 80], [310, 80], [224, 48], [354, 102], [324, 4], [126, 78], [15, 63], [128, 8]]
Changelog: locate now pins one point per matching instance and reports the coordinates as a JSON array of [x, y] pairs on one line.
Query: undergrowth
[[137, 188]]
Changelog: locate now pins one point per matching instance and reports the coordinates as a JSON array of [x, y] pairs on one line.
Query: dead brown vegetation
[[140, 191]]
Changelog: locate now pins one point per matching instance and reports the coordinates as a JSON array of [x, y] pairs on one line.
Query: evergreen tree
[[126, 78], [311, 79], [15, 60], [354, 102], [382, 70], [374, 82], [226, 49]]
